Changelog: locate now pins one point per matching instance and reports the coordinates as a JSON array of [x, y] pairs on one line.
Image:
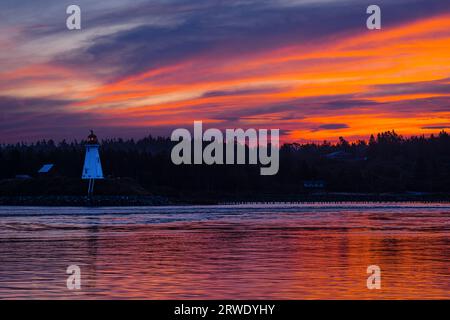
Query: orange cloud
[[350, 66]]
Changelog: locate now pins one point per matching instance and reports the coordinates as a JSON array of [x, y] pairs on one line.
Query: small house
[[313, 184], [23, 177], [47, 170]]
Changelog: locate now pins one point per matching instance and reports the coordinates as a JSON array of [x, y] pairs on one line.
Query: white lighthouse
[[92, 169]]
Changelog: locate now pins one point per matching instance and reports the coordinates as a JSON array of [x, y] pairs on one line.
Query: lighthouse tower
[[92, 169]]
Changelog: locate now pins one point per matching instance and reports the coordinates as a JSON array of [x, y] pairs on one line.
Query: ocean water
[[282, 251]]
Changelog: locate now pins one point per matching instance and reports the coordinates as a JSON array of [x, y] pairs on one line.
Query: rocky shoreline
[[84, 201], [154, 200]]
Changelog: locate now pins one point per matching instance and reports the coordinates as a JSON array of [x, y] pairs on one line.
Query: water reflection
[[245, 252]]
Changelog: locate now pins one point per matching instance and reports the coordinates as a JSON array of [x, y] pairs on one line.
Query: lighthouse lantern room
[[92, 168]]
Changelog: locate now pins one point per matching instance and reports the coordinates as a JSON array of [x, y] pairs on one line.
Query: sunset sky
[[308, 67]]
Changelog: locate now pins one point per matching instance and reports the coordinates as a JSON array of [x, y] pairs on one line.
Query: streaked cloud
[[308, 67], [333, 126]]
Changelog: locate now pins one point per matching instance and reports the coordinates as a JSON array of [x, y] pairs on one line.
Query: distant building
[[23, 177], [314, 184], [339, 155], [344, 156], [47, 171], [46, 168]]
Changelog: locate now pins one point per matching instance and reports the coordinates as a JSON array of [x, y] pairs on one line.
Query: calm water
[[248, 252]]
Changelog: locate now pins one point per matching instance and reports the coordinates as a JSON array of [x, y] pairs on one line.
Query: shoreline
[[154, 200]]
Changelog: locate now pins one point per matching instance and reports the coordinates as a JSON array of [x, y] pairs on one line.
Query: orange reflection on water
[[250, 253]]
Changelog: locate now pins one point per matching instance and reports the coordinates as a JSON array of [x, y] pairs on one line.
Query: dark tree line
[[387, 162]]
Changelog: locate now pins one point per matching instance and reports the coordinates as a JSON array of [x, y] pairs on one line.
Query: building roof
[[46, 168], [314, 184]]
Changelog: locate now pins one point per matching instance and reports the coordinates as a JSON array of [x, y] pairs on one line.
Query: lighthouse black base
[[91, 187]]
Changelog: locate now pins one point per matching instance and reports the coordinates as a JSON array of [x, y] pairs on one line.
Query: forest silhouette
[[386, 162]]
